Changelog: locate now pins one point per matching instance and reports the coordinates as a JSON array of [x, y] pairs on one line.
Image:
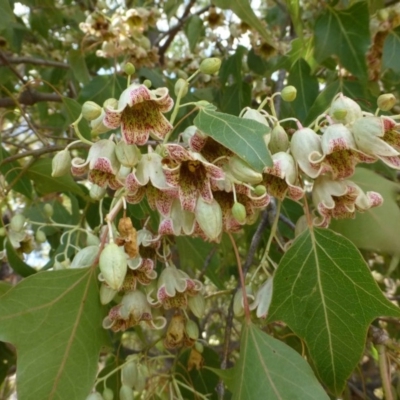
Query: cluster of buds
[[124, 33]]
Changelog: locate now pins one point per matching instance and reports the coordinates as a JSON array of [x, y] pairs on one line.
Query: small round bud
[[259, 190], [339, 114], [113, 265], [95, 396], [96, 192], [386, 101], [279, 140], [48, 210], [61, 164], [17, 222], [92, 240], [106, 294], [147, 83], [125, 393], [383, 15], [239, 212], [197, 305], [112, 103], [129, 374], [129, 68], [199, 347], [91, 110], [181, 87], [108, 394], [192, 330], [40, 236], [210, 66], [289, 93]]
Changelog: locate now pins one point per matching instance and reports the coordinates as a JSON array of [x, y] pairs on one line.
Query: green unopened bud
[[129, 68], [17, 222], [199, 347], [113, 265], [386, 101], [127, 154], [125, 393], [181, 87], [197, 305], [91, 110], [210, 65], [108, 394], [3, 231], [289, 93], [40, 236], [129, 374], [383, 15], [92, 240], [95, 396], [243, 172], [259, 190], [112, 103], [106, 294], [61, 164], [279, 140], [85, 257], [147, 83], [192, 330], [340, 114], [48, 210], [209, 217], [239, 212], [96, 192]]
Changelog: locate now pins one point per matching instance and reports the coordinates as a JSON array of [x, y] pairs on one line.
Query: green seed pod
[[129, 68], [61, 164], [210, 65], [17, 222], [181, 86], [289, 93], [113, 265], [239, 212], [91, 110], [386, 101], [48, 210], [40, 236]]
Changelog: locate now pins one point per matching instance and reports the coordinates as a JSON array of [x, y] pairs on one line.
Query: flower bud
[[259, 190], [108, 394], [192, 330], [95, 396], [197, 305], [3, 231], [339, 114], [147, 83], [113, 265], [85, 257], [279, 140], [255, 115], [129, 68], [181, 87], [61, 164], [209, 217], [106, 294], [40, 236], [383, 15], [243, 172], [92, 240], [199, 347], [141, 378], [125, 393], [129, 374], [210, 65], [127, 154], [239, 212], [91, 110], [96, 192], [238, 303], [48, 210], [289, 93], [342, 103], [17, 222], [111, 103], [386, 101]]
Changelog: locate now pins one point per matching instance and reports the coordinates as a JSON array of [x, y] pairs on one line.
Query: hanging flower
[[140, 114], [282, 177], [340, 199], [263, 298], [191, 174]]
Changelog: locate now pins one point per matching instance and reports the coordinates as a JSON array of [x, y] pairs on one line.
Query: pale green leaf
[[294, 9], [76, 60], [378, 228], [244, 11], [344, 33], [7, 17], [391, 51], [269, 369], [324, 291], [4, 287], [194, 30], [54, 321], [243, 136], [40, 173]]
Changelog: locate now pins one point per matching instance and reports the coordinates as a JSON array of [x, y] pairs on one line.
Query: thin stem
[[78, 133], [176, 108], [384, 372], [273, 231]]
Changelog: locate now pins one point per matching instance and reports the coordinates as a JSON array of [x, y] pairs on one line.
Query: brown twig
[[34, 61], [28, 98]]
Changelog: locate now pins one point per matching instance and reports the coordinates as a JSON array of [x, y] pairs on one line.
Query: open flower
[[281, 178], [340, 199], [380, 137], [191, 174], [140, 114]]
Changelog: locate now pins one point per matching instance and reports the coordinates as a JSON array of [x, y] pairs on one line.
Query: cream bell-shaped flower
[[140, 114], [340, 199], [282, 177], [380, 137], [306, 149], [340, 154]]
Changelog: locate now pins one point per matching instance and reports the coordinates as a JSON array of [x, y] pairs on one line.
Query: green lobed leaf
[[245, 137], [16, 263], [236, 97], [391, 51], [54, 321], [194, 31], [76, 60], [324, 291], [232, 66], [377, 228], [244, 11], [344, 33], [40, 173], [101, 88], [269, 369]]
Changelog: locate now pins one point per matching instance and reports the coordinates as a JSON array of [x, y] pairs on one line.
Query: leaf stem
[[383, 369]]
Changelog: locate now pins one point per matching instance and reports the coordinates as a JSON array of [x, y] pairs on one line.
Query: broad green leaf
[[76, 60], [40, 173], [4, 287], [344, 33], [11, 171], [194, 30], [294, 9], [16, 263], [244, 11], [269, 369], [391, 51], [232, 67], [54, 321], [101, 88], [74, 109], [7, 17], [307, 88], [256, 63], [245, 137], [376, 229], [236, 97], [324, 291]]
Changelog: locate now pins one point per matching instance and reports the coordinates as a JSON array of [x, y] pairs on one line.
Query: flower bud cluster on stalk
[[200, 188]]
